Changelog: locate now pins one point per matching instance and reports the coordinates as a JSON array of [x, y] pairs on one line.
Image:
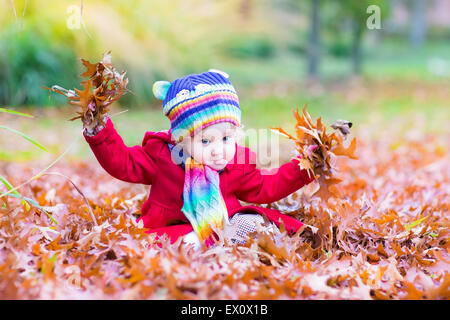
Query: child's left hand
[[313, 153]]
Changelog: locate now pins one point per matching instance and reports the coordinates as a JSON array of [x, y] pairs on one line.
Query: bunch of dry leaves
[[103, 86], [318, 149]]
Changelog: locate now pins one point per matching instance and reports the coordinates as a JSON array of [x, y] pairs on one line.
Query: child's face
[[213, 146]]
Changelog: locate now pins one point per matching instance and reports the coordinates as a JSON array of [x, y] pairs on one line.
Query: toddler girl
[[197, 171]]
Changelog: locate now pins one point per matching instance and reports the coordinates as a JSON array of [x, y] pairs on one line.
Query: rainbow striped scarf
[[203, 202]]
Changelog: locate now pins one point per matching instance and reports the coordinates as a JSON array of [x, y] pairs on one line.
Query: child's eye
[[226, 138], [205, 141]]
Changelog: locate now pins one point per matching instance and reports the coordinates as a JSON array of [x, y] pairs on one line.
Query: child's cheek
[[200, 153], [230, 151], [203, 151]]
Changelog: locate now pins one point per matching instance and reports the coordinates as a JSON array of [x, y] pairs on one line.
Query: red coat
[[152, 164]]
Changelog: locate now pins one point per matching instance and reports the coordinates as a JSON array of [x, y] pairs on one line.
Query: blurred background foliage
[[255, 41], [280, 54]]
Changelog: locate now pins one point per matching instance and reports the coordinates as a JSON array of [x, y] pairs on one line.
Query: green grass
[[398, 60], [389, 59], [395, 77], [257, 113]]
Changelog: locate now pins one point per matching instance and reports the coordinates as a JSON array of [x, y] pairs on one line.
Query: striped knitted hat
[[197, 101]]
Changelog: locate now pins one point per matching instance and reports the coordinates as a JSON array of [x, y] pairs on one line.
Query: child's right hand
[[91, 128]]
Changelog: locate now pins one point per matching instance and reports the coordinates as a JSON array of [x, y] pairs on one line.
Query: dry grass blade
[[78, 190]]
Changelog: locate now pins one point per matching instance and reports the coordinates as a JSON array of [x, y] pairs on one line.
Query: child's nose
[[216, 152]]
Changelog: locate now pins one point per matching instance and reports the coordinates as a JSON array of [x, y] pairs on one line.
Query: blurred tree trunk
[[356, 47], [357, 13], [313, 45], [418, 23], [246, 8]]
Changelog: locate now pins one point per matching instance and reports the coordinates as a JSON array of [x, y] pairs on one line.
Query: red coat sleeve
[[131, 164], [256, 187]]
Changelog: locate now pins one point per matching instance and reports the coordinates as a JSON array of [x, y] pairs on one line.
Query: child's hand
[[313, 152], [92, 127], [312, 149]]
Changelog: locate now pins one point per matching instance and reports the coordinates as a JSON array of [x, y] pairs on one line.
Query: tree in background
[[339, 18], [313, 47], [418, 27], [354, 12]]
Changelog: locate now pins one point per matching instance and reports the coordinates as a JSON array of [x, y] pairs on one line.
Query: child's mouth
[[218, 164]]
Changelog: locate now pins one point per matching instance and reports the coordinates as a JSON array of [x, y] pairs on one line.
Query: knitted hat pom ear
[[220, 72], [160, 89]]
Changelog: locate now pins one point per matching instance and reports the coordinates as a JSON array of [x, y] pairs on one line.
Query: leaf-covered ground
[[386, 238]]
